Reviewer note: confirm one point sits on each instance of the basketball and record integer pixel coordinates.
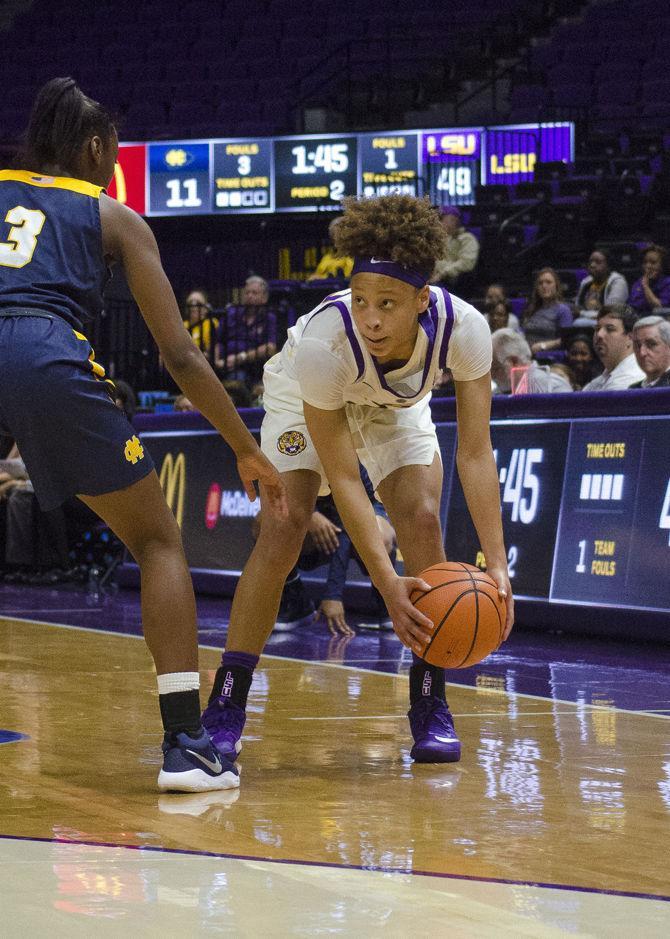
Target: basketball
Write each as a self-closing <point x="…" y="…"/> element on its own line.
<point x="466" y="611"/>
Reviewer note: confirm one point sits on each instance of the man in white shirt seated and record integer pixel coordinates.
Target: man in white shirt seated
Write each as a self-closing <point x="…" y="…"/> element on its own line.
<point x="651" y="345"/>
<point x="613" y="344"/>
<point x="513" y="369"/>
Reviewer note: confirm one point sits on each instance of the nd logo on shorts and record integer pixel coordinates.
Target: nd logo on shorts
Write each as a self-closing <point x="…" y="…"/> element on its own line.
<point x="134" y="450"/>
<point x="291" y="442"/>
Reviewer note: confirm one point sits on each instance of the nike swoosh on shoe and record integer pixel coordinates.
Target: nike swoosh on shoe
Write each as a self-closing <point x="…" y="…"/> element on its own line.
<point x="215" y="766"/>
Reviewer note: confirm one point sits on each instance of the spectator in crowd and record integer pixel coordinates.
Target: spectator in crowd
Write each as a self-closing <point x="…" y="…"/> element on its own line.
<point x="35" y="543"/>
<point x="248" y="334"/>
<point x="651" y="345"/>
<point x="444" y="386"/>
<point x="331" y="266"/>
<point x="580" y="357"/>
<point x="462" y="251"/>
<point x="257" y="390"/>
<point x="513" y="368"/>
<point x="499" y="316"/>
<point x="199" y="321"/>
<point x="563" y="370"/>
<point x="494" y="296"/>
<point x="182" y="403"/>
<point x="601" y="286"/>
<point x="124" y="398"/>
<point x="613" y="345"/>
<point x="652" y="290"/>
<point x="238" y="392"/>
<point x="546" y="313"/>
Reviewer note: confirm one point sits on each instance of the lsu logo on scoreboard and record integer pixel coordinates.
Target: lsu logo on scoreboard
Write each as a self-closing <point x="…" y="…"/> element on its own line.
<point x="172" y="478"/>
<point x="458" y="144"/>
<point x="513" y="163"/>
<point x="178" y="157"/>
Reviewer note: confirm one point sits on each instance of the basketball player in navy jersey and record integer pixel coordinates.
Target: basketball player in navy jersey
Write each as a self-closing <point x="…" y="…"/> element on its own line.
<point x="59" y="231"/>
<point x="353" y="382"/>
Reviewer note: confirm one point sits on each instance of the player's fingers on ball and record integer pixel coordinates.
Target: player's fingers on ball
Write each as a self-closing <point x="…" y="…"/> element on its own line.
<point x="425" y="624"/>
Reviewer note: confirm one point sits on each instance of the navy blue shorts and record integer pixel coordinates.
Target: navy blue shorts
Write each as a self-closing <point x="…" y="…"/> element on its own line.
<point x="53" y="401"/>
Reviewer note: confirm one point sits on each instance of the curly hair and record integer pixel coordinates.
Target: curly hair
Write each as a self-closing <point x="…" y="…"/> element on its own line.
<point x="403" y="229"/>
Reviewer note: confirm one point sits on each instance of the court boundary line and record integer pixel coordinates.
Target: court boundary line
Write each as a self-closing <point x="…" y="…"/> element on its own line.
<point x="353" y="668"/>
<point x="192" y="852"/>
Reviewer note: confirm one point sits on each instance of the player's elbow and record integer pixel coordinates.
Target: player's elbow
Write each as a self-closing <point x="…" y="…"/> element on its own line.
<point x="183" y="358"/>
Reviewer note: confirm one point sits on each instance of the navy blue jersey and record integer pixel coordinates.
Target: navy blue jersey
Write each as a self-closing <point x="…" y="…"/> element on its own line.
<point x="51" y="255"/>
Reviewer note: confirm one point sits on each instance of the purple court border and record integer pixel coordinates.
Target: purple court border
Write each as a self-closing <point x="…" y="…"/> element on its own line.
<point x="348" y="867"/>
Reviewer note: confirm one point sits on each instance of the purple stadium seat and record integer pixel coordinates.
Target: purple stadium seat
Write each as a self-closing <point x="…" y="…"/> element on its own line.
<point x="257" y="48"/>
<point x="572" y="95"/>
<point x="185" y="114"/>
<point x="528" y="96"/>
<point x="616" y="93"/>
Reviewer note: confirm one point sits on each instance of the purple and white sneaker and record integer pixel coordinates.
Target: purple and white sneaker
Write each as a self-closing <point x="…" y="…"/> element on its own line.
<point x="432" y="726"/>
<point x="193" y="764"/>
<point x="224" y="721"/>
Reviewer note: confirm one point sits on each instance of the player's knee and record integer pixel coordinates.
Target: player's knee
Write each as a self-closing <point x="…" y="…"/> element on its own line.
<point x="160" y="539"/>
<point x="285" y="536"/>
<point x="422" y="517"/>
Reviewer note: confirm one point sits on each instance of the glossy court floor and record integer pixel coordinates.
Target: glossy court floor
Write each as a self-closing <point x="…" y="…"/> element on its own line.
<point x="556" y="821"/>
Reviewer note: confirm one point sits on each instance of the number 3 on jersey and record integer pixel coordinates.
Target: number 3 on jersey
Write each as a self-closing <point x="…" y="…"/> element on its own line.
<point x="26" y="224"/>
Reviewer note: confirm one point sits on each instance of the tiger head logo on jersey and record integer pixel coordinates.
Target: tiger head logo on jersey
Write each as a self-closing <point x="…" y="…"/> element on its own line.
<point x="291" y="442"/>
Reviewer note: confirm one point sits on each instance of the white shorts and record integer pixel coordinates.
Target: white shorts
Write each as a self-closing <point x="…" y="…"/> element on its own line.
<point x="385" y="438"/>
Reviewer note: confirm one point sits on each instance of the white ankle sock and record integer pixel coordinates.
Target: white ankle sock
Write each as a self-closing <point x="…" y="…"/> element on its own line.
<point x="178" y="681"/>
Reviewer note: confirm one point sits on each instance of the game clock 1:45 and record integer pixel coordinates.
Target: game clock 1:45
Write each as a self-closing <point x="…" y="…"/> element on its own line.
<point x="313" y="173"/>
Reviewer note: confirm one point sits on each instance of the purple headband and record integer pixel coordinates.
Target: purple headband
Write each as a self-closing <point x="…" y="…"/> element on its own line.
<point x="389" y="269"/>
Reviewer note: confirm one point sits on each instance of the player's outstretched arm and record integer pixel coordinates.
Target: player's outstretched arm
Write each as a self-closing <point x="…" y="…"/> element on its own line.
<point x="332" y="438"/>
<point x="127" y="238"/>
<point x="479" y="478"/>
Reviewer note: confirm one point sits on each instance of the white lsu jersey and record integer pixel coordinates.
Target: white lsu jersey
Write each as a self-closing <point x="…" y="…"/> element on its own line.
<point x="326" y="357"/>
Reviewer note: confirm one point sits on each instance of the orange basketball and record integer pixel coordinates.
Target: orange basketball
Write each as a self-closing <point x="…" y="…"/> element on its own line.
<point x="466" y="611"/>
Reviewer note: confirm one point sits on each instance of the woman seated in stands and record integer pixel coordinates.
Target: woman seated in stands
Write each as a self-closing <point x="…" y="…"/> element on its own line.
<point x="546" y="313"/>
<point x="601" y="286"/>
<point x="652" y="290"/>
<point x="581" y="358"/>
<point x="495" y="295"/>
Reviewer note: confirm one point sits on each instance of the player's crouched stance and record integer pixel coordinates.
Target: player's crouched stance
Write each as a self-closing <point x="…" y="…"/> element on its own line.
<point x="63" y="233"/>
<point x="353" y="382"/>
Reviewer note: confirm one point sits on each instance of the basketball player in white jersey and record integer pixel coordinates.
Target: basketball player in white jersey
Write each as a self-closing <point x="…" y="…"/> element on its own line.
<point x="353" y="382"/>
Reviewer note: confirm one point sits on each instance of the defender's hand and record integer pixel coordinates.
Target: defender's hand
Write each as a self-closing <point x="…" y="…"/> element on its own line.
<point x="324" y="533"/>
<point x="333" y="613"/>
<point x="256" y="466"/>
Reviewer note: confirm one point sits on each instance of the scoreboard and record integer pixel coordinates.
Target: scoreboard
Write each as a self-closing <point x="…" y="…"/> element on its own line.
<point x="585" y="509"/>
<point x="585" y="506"/>
<point x="310" y="172"/>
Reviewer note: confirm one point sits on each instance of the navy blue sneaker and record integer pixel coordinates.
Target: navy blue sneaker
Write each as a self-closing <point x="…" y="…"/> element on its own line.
<point x="224" y="722"/>
<point x="193" y="764"/>
<point x="432" y="727"/>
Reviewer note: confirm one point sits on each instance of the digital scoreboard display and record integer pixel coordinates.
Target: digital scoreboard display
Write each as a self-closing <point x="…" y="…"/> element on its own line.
<point x="530" y="460"/>
<point x="511" y="153"/>
<point x="389" y="164"/>
<point x="585" y="506"/>
<point x="451" y="164"/>
<point x="179" y="178"/>
<point x="613" y="542"/>
<point x="310" y="173"/>
<point x="129" y="184"/>
<point x="314" y="172"/>
<point x="242" y="176"/>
